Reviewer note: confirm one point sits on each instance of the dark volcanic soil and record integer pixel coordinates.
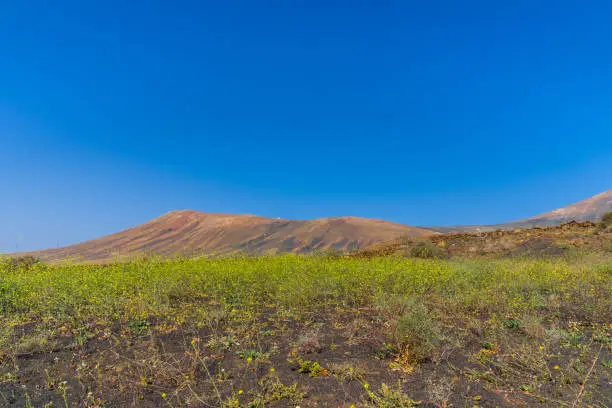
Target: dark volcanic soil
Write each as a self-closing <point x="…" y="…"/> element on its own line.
<point x="240" y="357"/>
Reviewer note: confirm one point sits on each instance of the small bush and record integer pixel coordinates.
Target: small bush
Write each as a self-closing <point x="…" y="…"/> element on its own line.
<point x="606" y="222"/>
<point x="389" y="397"/>
<point x="426" y="249"/>
<point x="412" y="327"/>
<point x="312" y="368"/>
<point x="271" y="390"/>
<point x="346" y="372"/>
<point x="25" y="262"/>
<point x="416" y="332"/>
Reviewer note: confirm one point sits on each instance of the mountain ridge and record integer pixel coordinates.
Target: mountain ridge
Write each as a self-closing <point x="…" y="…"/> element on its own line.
<point x="185" y="232"/>
<point x="181" y="232"/>
<point x="589" y="209"/>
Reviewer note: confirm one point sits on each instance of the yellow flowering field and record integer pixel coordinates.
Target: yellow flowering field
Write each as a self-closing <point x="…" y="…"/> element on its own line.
<point x="309" y="331"/>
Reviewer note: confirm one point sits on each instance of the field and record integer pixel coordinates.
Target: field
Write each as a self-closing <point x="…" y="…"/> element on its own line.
<point x="309" y="331"/>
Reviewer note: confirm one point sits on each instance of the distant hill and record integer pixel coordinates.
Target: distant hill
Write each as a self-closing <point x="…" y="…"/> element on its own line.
<point x="189" y="232"/>
<point x="537" y="241"/>
<point x="591" y="209"/>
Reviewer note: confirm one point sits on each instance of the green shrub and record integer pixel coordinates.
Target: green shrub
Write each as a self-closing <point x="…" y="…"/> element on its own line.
<point x="389" y="397"/>
<point x="271" y="390"/>
<point x="416" y="332"/>
<point x="25" y="262"/>
<point x="312" y="368"/>
<point x="426" y="249"/>
<point x="606" y="222"/>
<point x="412" y="326"/>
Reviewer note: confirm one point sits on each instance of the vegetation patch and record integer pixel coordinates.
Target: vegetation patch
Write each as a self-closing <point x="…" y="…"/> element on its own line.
<point x="308" y="330"/>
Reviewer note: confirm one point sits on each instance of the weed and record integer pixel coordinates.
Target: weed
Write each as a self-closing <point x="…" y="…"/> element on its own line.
<point x="532" y="325"/>
<point x="571" y="339"/>
<point x="271" y="389"/>
<point x="140" y="327"/>
<point x="389" y="397"/>
<point x="488" y="346"/>
<point x="312" y="368"/>
<point x="268" y="333"/>
<point x="231" y="402"/>
<point x="386" y="350"/>
<point x="412" y="327"/>
<point x="253" y="355"/>
<point x="441" y="391"/>
<point x="347" y="372"/>
<point x="222" y="343"/>
<point x="34" y="342"/>
<point x="511" y="324"/>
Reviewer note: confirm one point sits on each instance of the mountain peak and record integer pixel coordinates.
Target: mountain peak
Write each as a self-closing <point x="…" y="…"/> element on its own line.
<point x="590" y="209"/>
<point x="189" y="231"/>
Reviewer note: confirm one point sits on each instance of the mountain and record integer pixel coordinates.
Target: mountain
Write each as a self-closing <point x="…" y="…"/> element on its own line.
<point x="188" y="232"/>
<point x="591" y="209"/>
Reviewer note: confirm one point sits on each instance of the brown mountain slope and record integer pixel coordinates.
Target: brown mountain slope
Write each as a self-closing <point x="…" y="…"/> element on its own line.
<point x="535" y="241"/>
<point x="591" y="209"/>
<point x="187" y="232"/>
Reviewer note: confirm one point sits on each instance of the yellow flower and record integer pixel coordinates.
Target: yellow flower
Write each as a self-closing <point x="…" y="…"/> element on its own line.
<point x="272" y="369"/>
<point x="541" y="347"/>
<point x="164" y="395"/>
<point x="249" y="359"/>
<point x="556" y="367"/>
<point x="366" y="385"/>
<point x="240" y="392"/>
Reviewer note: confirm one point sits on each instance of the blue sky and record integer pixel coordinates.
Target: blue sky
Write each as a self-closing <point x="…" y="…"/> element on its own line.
<point x="425" y="113"/>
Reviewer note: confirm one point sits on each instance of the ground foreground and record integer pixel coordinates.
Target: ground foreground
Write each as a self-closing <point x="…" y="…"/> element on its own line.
<point x="310" y="332"/>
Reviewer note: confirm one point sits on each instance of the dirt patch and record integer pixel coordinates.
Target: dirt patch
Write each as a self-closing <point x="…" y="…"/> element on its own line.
<point x="337" y="359"/>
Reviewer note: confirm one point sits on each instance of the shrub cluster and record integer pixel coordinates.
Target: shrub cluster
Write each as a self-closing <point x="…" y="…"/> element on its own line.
<point x="426" y="250"/>
<point x="25" y="262"/>
<point x="606" y="222"/>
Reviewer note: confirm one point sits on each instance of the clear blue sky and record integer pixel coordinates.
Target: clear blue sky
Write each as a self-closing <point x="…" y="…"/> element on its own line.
<point x="421" y="112"/>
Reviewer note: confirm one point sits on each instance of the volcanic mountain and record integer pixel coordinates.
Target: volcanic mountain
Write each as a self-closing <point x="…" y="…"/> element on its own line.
<point x="591" y="209"/>
<point x="189" y="232"/>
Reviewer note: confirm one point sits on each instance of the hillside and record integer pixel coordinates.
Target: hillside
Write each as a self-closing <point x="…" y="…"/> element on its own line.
<point x="535" y="241"/>
<point x="188" y="232"/>
<point x="590" y="209"/>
